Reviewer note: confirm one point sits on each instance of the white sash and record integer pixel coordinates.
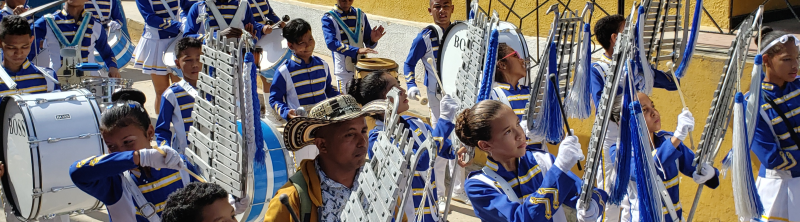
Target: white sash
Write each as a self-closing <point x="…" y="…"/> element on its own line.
<point x="103" y="19"/>
<point x="168" y="9"/>
<point x="512" y="196"/>
<point x="263" y="16"/>
<point x="236" y="22"/>
<point x="501" y="96"/>
<point x="147" y="209"/>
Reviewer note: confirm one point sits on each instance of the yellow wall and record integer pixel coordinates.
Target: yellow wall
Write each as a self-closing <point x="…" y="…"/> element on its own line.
<point x="741" y="7"/>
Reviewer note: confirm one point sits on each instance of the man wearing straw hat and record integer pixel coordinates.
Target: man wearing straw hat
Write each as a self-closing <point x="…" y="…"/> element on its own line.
<point x="320" y="189"/>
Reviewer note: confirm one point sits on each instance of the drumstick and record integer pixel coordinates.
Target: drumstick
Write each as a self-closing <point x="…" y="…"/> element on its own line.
<point x="422" y="100"/>
<point x="285" y="201"/>
<point x="187" y="170"/>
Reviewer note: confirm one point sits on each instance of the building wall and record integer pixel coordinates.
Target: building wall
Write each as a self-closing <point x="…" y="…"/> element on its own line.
<point x="742" y="7"/>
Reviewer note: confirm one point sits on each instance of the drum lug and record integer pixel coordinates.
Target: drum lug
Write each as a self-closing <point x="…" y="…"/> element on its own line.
<point x="37" y="192"/>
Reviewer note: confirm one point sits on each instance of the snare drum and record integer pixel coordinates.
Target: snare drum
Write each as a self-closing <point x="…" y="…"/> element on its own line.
<point x="38" y="151"/>
<point x="122" y="47"/>
<point x="170" y="57"/>
<point x="274" y="51"/>
<point x="367" y="65"/>
<point x="103" y="87"/>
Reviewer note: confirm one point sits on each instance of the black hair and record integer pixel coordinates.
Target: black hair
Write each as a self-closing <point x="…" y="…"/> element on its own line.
<point x="474" y="124"/>
<point x="368" y="88"/>
<point x="14" y="25"/>
<point x="295" y="29"/>
<point x="768" y="34"/>
<point x="502" y="50"/>
<point x="126" y="110"/>
<point x="186" y="43"/>
<point x="605" y="27"/>
<point x="186" y="204"/>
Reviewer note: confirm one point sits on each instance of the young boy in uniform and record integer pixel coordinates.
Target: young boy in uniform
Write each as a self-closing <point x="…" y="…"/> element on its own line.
<point x="16" y="40"/>
<point x="177" y="101"/>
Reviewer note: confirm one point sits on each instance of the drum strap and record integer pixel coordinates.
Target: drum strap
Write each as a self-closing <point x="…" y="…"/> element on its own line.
<point x="69" y="51"/>
<point x="512" y="196"/>
<point x="236" y="22"/>
<point x="260" y="12"/>
<point x="301" y="186"/>
<point x="51" y="81"/>
<point x="501" y="96"/>
<point x="103" y="18"/>
<point x="147" y="209"/>
<point x="168" y="9"/>
<point x="355" y="37"/>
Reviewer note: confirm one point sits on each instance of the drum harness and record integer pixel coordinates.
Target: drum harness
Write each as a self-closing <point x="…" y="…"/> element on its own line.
<point x="355" y="38"/>
<point x="70" y="52"/>
<point x="105" y="20"/>
<point x="236" y="22"/>
<point x="146" y="208"/>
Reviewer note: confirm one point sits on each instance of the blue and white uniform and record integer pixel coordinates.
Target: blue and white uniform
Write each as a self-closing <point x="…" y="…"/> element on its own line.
<point x="517" y="98"/>
<point x="30" y="80"/>
<point x="162" y="25"/>
<point x="345" y="33"/>
<point x="420" y="132"/>
<point x="108" y="11"/>
<point x="262" y="12"/>
<point x="300" y="84"/>
<point x="602" y="69"/>
<point x="778" y="180"/>
<point x="94" y="38"/>
<point x="425" y="46"/>
<point x="541" y="188"/>
<point x="6" y="11"/>
<point x="231" y="14"/>
<point x="186" y="5"/>
<point x="176" y="107"/>
<point x="104" y="177"/>
<point x="670" y="162"/>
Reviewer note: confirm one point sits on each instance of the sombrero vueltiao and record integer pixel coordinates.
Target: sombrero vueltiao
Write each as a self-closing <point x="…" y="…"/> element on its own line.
<point x="299" y="132"/>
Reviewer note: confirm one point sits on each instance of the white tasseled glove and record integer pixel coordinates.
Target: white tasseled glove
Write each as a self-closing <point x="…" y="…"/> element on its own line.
<point x="589" y="215"/>
<point x="685" y="124"/>
<point x="569" y="153"/>
<point x="239" y="206"/>
<point x="448" y="107"/>
<point x="707" y="172"/>
<point x="152" y="158"/>
<point x="413" y="92"/>
<point x="114" y="25"/>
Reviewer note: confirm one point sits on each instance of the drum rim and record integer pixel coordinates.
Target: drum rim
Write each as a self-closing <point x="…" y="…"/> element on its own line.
<point x="441" y="48"/>
<point x="8" y="188"/>
<point x="280" y="61"/>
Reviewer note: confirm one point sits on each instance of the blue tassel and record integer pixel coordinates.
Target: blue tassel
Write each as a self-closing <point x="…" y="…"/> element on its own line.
<point x="649" y="199"/>
<point x="552" y="114"/>
<point x="260" y="155"/>
<point x="623" y="167"/>
<point x="579" y="104"/>
<point x="690" y="45"/>
<point x="485" y="87"/>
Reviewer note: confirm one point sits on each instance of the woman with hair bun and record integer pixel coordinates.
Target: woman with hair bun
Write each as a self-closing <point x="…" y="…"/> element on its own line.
<point x="519" y="184"/>
<point x="778" y="182"/>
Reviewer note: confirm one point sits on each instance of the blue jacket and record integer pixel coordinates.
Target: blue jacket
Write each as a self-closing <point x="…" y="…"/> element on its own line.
<point x="158" y="23"/>
<point x="30" y="80"/>
<point x="336" y="40"/>
<point x="94" y="39"/>
<point x="194" y="29"/>
<point x="777" y="151"/>
<point x="542" y="194"/>
<point x="176" y="110"/>
<point x="109" y="8"/>
<point x="425" y="45"/>
<point x="269" y="14"/>
<point x="599" y="74"/>
<point x="297" y="83"/>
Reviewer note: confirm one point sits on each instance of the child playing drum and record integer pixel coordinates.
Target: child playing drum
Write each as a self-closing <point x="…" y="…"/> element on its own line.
<point x="133" y="180"/>
<point x="162" y="26"/>
<point x="225" y="17"/>
<point x="348" y="35"/>
<point x="15" y="40"/>
<point x="178" y="101"/>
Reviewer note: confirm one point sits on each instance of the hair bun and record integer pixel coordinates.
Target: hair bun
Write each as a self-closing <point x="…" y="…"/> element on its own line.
<point x="129" y="95"/>
<point x="764" y="31"/>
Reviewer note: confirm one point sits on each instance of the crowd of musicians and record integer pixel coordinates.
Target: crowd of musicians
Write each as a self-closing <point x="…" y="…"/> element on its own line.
<point x="522" y="180"/>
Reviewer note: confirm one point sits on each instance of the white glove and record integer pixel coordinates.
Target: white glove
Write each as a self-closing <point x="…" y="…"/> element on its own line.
<point x="448" y="107"/>
<point x="569" y="153"/>
<point x="239" y="206"/>
<point x="685" y="124"/>
<point x="588" y="215"/>
<point x="413" y="92"/>
<point x="707" y="172"/>
<point x="152" y="158"/>
<point x="114" y="25"/>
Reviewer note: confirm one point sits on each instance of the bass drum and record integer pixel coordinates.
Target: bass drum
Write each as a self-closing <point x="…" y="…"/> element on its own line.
<point x="39" y="151"/>
<point x="456" y="41"/>
<point x="274" y="51"/>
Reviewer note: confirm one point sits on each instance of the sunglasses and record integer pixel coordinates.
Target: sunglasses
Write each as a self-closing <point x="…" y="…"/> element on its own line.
<point x="515" y="53"/>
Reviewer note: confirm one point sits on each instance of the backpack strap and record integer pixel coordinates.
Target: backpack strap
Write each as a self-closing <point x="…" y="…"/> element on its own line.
<point x="300" y="184"/>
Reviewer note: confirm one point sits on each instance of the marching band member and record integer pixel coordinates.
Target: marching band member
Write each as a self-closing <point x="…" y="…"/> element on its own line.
<point x="231" y="22"/>
<point x="177" y="102"/>
<point x="263" y="14"/>
<point x="161" y="28"/>
<point x="375" y="86"/>
<point x="426" y="45"/>
<point x="199" y="202"/>
<point x="338" y="129"/>
<point x="106" y="13"/>
<point x="519" y="184"/>
<point x="773" y="143"/>
<point x="348" y="35"/>
<point x="672" y="158"/>
<point x="15" y="40"/>
<point x="59" y="31"/>
<point x="185" y="5"/>
<point x="15" y="7"/>
<point x="133" y="180"/>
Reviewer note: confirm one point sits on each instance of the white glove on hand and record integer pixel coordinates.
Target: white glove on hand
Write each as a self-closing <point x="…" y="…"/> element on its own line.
<point x="413" y="92"/>
<point x="448" y="107"/>
<point x="114" y="25"/>
<point x="152" y="158"/>
<point x="239" y="206"/>
<point x="569" y="153"/>
<point x="588" y="215"/>
<point x="707" y="172"/>
<point x="685" y="124"/>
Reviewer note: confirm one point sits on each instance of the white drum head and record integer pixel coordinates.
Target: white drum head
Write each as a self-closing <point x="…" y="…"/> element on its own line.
<point x="275" y="49"/>
<point x="169" y="54"/>
<point x="17" y="154"/>
<point x="452" y="49"/>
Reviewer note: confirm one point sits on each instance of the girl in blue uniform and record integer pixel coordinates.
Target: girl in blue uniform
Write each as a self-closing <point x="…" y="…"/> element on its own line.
<point x="162" y="26"/>
<point x="133" y="180"/>
<point x="519" y="184"/>
<point x="375" y="86"/>
<point x="775" y="146"/>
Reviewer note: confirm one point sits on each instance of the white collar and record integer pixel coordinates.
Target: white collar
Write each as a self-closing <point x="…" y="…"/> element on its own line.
<point x="7" y="10"/>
